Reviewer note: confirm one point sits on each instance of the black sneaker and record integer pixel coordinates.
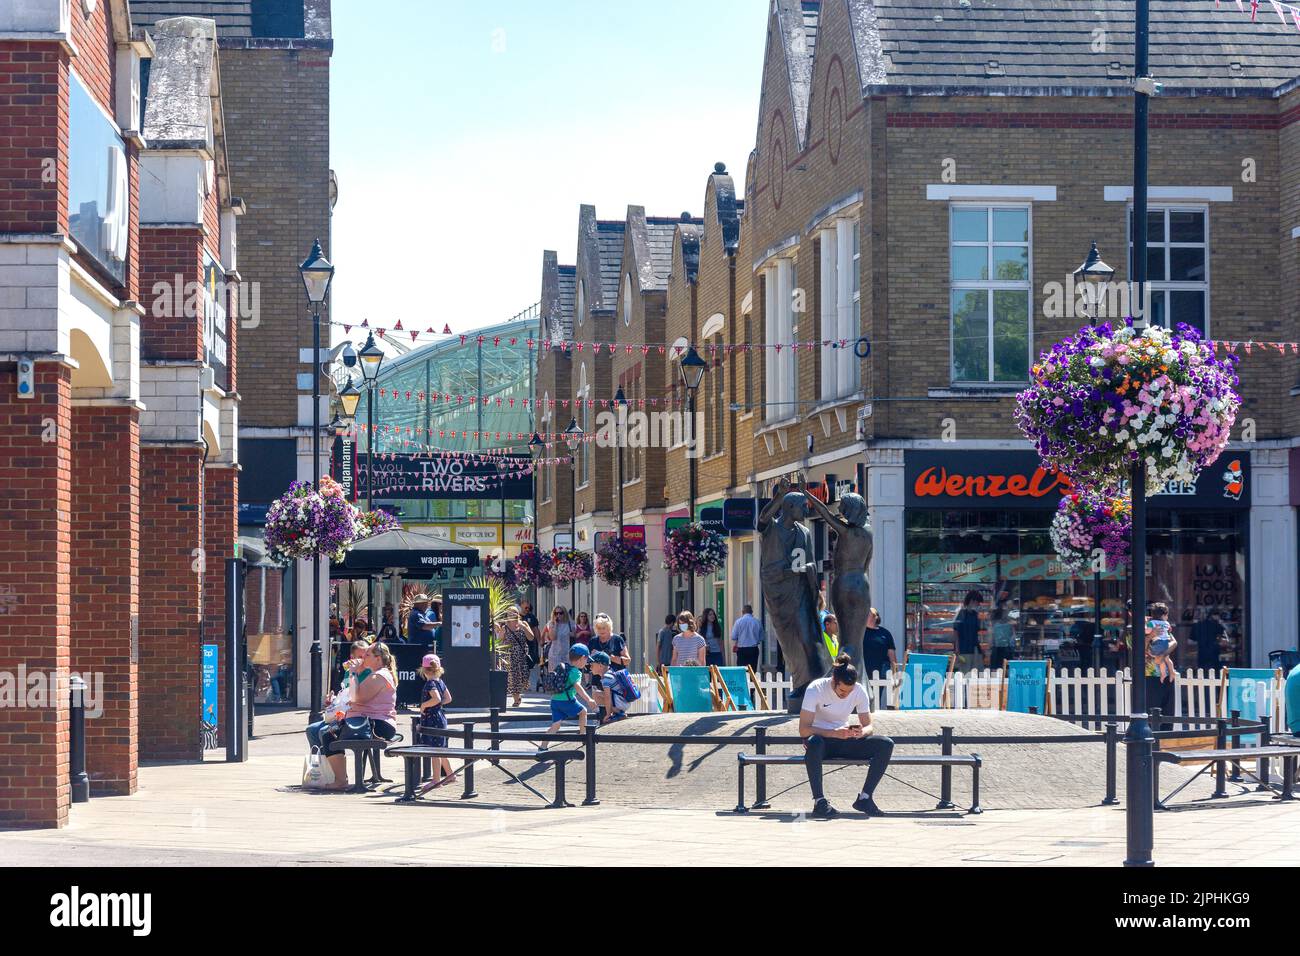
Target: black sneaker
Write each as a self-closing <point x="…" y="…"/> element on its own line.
<point x="868" y="806"/>
<point x="822" y="810"/>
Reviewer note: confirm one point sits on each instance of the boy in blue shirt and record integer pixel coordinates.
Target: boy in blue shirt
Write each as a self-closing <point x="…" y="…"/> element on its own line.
<point x="573" y="701"/>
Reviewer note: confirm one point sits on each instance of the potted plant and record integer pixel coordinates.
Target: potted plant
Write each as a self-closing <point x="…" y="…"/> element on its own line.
<point x="1090" y="521"/>
<point x="622" y="563"/>
<point x="694" y="549"/>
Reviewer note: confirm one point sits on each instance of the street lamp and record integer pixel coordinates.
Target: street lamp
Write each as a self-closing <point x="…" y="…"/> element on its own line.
<point x="1095" y="274"/>
<point x="372" y="357"/>
<point x="537" y="448"/>
<point x="1139" y="809"/>
<point x="692" y="370"/>
<point x="317" y="273"/>
<point x="572" y="436"/>
<point x="620" y="409"/>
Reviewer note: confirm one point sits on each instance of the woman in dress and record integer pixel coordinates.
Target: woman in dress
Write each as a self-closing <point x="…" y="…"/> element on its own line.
<point x="582" y="628"/>
<point x="558" y="636"/>
<point x="515" y="637"/>
<point x="433" y="698"/>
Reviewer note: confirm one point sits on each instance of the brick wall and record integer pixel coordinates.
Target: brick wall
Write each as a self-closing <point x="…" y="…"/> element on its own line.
<point x="96" y="52"/>
<point x="33" y="132"/>
<point x="277" y="121"/>
<point x="105" y="584"/>
<point x="171" y="601"/>
<point x="172" y="327"/>
<point x="36" y="473"/>
<point x="220" y="533"/>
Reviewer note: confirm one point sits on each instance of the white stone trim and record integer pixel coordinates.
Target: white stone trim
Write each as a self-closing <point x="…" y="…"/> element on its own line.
<point x="1172" y="193"/>
<point x="944" y="192"/>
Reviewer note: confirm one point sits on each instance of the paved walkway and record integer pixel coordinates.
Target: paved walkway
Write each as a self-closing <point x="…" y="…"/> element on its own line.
<point x="251" y="814"/>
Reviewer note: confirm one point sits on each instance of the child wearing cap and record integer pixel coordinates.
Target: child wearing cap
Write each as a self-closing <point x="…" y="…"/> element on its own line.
<point x="573" y="701"/>
<point x="433" y="698"/>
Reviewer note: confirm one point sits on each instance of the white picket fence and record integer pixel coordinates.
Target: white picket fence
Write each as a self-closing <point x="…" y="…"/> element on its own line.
<point x="1198" y="693"/>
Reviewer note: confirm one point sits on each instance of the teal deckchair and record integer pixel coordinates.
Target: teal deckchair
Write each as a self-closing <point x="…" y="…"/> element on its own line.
<point x="690" y="690"/>
<point x="735" y="682"/>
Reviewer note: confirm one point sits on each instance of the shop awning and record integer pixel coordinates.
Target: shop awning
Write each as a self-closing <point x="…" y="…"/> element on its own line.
<point x="410" y="552"/>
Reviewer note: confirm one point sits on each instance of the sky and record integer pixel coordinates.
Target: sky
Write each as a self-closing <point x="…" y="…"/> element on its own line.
<point x="466" y="135"/>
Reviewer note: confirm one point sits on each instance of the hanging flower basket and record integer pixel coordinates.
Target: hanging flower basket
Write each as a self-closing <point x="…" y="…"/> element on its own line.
<point x="533" y="568"/>
<point x="568" y="566"/>
<point x="1088" y="521"/>
<point x="304" y="523"/>
<point x="1108" y="398"/>
<point x="693" y="549"/>
<point x="371" y="523"/>
<point x="622" y="563"/>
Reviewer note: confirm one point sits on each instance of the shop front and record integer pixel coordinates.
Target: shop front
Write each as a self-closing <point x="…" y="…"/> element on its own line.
<point x="977" y="524"/>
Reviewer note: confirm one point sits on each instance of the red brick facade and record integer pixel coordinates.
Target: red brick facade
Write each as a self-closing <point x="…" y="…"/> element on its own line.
<point x="35" y="591"/>
<point x="105" y="584"/>
<point x="171" y="610"/>
<point x="33" y="137"/>
<point x="173" y="326"/>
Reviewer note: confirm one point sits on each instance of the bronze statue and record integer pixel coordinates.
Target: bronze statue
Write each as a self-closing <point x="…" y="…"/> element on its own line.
<point x="788" y="571"/>
<point x="850" y="591"/>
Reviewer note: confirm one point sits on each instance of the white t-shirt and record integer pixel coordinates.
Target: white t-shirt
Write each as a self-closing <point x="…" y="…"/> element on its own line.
<point x="829" y="710"/>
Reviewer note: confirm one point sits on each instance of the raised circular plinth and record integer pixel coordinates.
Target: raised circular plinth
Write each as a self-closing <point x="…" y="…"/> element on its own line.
<point x="703" y="776"/>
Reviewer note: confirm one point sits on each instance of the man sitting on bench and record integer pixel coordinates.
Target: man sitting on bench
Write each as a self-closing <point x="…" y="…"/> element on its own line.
<point x="827" y="734"/>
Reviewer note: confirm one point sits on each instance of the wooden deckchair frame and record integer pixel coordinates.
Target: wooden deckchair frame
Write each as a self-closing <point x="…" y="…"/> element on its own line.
<point x="947" y="678"/>
<point x="728" y="700"/>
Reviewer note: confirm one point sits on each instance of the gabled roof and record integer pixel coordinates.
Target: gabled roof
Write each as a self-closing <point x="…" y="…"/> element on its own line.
<point x="660" y="231"/>
<point x="568" y="284"/>
<point x="558" y="286"/>
<point x="600" y="260"/>
<point x="182" y="103"/>
<point x="1049" y="46"/>
<point x="796" y="23"/>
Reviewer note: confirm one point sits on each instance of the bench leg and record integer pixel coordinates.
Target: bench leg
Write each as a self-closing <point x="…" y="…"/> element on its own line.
<point x="1155" y="785"/>
<point x="975" y="786"/>
<point x="559" y="803"/>
<point x="412" y="768"/>
<point x="1262" y="783"/>
<point x="359" y="763"/>
<point x="426" y="768"/>
<point x="467" y="771"/>
<point x="376" y="776"/>
<point x="740" y="794"/>
<point x="1288" y="778"/>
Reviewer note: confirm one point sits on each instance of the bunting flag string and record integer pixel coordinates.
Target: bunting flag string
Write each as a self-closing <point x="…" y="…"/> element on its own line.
<point x="514" y="402"/>
<point x="1281" y="9"/>
<point x="1249" y="346"/>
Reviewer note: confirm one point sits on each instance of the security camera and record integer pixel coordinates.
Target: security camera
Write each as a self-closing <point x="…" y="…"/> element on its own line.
<point x="349" y="355"/>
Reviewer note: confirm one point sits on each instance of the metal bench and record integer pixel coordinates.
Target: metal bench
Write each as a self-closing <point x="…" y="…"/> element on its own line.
<point x="361" y="748"/>
<point x="1220" y="758"/>
<point x="414" y="754"/>
<point x="945" y="761"/>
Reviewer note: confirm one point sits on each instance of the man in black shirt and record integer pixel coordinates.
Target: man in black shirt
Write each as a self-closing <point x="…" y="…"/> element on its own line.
<point x="878" y="653"/>
<point x="1206" y="633"/>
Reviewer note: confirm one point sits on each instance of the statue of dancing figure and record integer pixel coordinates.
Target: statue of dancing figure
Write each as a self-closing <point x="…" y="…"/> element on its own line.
<point x="850" y="592"/>
<point x="788" y="572"/>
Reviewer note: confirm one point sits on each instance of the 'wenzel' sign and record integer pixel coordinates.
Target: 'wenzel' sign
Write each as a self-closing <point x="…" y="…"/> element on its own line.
<point x="1014" y="480"/>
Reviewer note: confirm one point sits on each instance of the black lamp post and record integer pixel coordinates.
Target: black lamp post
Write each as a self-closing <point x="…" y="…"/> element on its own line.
<point x="317" y="273"/>
<point x="620" y="409"/>
<point x="572" y="437"/>
<point x="372" y="357"/>
<point x="1139" y="809"/>
<point x="692" y="373"/>
<point x="1096" y="275"/>
<point x="537" y="448"/>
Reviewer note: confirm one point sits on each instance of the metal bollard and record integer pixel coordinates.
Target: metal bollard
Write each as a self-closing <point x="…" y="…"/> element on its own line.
<point x="589" y="744"/>
<point x="760" y="771"/>
<point x="77" y="742"/>
<point x="469" y="793"/>
<point x="945" y="772"/>
<point x="1112" y="746"/>
<point x="1220" y="768"/>
<point x="494" y="725"/>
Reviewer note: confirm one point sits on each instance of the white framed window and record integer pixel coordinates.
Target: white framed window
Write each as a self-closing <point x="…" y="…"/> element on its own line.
<point x="991" y="298"/>
<point x="1178" y="264"/>
<point x="840" y="260"/>
<point x="779" y="386"/>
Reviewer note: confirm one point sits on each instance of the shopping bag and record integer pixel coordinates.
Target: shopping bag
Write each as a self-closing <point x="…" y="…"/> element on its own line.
<point x="317" y="771"/>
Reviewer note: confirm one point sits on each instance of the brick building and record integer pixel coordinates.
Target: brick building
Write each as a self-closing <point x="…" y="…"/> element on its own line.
<point x="924" y="182"/>
<point x="276" y="59"/>
<point x="118" y="448"/>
